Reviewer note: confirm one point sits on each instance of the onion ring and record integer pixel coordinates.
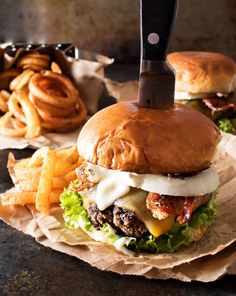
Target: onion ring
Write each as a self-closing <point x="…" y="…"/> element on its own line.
<point x="5" y="95"/>
<point x="21" y="80"/>
<point x="51" y="110"/>
<point x="45" y="100"/>
<point x="31" y="116"/>
<point x="3" y="104"/>
<point x="16" y="123"/>
<point x="15" y="108"/>
<point x="65" y="124"/>
<point x="36" y="68"/>
<point x="7" y="131"/>
<point x="7" y="76"/>
<point x="34" y="61"/>
<point x="53" y="88"/>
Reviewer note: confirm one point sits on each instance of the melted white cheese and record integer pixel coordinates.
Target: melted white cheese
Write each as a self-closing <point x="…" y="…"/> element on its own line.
<point x="181" y="95"/>
<point x="113" y="184"/>
<point x="108" y="192"/>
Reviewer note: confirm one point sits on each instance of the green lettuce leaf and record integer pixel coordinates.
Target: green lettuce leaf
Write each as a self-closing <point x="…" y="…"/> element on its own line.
<point x="75" y="216"/>
<point x="221" y="119"/>
<point x="180" y="234"/>
<point x="227" y="125"/>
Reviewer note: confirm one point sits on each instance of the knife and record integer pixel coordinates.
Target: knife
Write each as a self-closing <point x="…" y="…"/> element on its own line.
<point x="157" y="78"/>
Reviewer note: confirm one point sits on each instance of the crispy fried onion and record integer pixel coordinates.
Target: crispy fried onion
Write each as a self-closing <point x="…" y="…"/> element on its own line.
<point x="82" y="178"/>
<point x="6" y="130"/>
<point x="34" y="61"/>
<point x="54" y="89"/>
<point x="21" y="80"/>
<point x="57" y="100"/>
<point x="65" y="124"/>
<point x="21" y="109"/>
<point x="51" y="110"/>
<point x="3" y="103"/>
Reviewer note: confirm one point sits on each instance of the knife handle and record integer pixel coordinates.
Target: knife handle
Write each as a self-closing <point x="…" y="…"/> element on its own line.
<point x="157" y="20"/>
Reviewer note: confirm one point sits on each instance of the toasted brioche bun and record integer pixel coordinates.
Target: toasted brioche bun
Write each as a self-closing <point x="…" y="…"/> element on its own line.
<point x="128" y="138"/>
<point x="203" y="72"/>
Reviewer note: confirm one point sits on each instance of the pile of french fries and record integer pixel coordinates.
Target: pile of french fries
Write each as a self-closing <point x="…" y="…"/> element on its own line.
<point x="41" y="178"/>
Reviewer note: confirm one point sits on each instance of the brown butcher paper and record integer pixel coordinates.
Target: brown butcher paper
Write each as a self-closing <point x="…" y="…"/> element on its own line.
<point x="206" y="260"/>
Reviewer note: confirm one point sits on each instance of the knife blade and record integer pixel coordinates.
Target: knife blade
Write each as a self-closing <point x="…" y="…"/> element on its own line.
<point x="157" y="78"/>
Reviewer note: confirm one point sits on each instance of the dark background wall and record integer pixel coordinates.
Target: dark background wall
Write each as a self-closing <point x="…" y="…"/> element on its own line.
<point x="112" y="26"/>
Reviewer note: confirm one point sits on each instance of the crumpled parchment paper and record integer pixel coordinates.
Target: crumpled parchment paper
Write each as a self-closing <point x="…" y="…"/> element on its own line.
<point x="206" y="260"/>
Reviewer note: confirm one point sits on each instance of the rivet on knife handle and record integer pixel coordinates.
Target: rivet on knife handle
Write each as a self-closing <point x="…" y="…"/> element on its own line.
<point x="157" y="78"/>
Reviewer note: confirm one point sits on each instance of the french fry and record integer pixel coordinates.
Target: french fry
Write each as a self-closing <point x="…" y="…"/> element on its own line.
<point x="32" y="184"/>
<point x="37" y="180"/>
<point x="59" y="183"/>
<point x="65" y="169"/>
<point x="69" y="154"/>
<point x="21" y="164"/>
<point x="66" y="160"/>
<point x="70" y="176"/>
<point x="28" y="177"/>
<point x="36" y="159"/>
<point x="46" y="181"/>
<point x="27" y="174"/>
<point x="24" y="198"/>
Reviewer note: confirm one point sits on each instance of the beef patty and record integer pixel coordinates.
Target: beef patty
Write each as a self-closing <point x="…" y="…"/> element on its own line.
<point x="123" y="220"/>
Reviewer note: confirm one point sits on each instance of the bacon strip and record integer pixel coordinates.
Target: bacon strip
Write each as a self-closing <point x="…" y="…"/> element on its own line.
<point x="163" y="206"/>
<point x="218" y="105"/>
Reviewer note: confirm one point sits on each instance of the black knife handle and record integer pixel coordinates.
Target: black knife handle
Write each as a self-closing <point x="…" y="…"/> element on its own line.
<point x="157" y="20"/>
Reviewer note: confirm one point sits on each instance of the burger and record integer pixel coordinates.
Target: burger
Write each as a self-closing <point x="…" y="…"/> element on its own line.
<point x="207" y="82"/>
<point x="146" y="183"/>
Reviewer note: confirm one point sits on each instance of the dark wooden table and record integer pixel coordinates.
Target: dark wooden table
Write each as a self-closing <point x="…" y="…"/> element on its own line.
<point x="27" y="268"/>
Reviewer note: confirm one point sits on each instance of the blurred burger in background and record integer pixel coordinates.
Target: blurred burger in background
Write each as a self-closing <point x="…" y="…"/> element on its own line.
<point x="147" y="183"/>
<point x="207" y="82"/>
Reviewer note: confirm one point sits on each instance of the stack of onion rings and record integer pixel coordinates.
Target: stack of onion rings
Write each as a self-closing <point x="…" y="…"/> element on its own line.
<point x="21" y="109"/>
<point x="57" y="101"/>
<point x="34" y="61"/>
<point x="36" y="100"/>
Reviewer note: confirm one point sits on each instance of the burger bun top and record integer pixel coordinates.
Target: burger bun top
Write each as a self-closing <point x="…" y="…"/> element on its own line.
<point x="141" y="140"/>
<point x="203" y="72"/>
